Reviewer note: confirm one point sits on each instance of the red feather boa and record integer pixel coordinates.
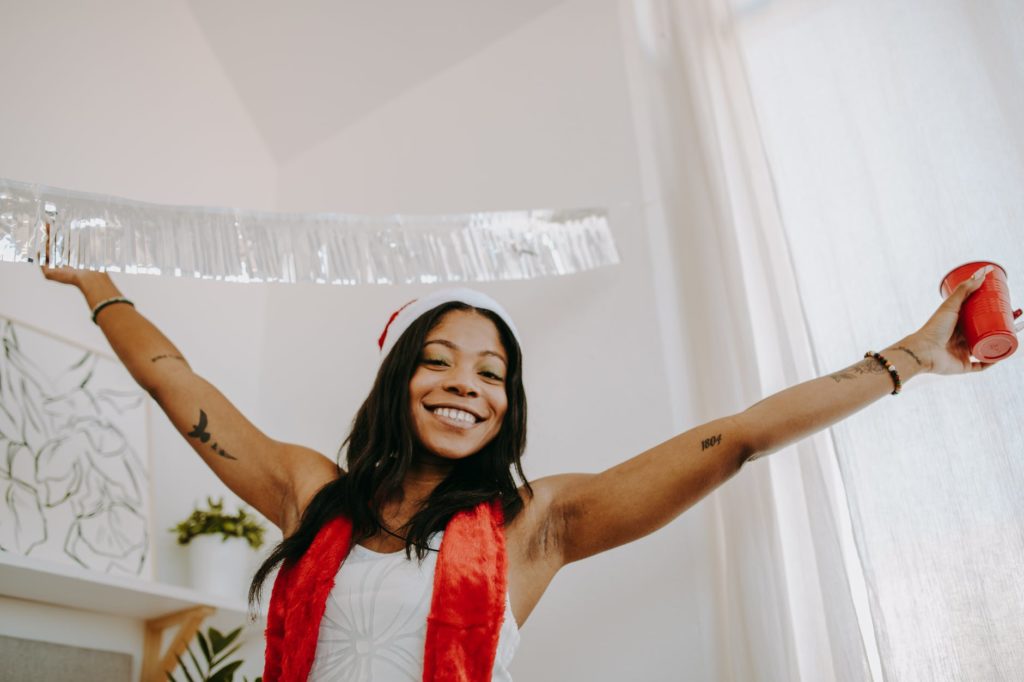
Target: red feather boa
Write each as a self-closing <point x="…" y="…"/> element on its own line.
<point x="466" y="611"/>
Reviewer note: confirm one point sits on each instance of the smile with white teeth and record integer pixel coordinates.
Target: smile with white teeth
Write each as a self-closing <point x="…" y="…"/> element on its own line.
<point x="456" y="417"/>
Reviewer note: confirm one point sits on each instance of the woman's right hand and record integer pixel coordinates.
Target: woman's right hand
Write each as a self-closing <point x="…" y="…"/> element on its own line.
<point x="64" y="274"/>
<point x="87" y="281"/>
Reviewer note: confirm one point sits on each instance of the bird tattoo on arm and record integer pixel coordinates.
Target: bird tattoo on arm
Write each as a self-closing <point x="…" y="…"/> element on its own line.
<point x="199" y="431"/>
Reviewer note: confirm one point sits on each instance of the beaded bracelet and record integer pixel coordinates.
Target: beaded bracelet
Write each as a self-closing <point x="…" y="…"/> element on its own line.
<point x="110" y="301"/>
<point x="892" y="370"/>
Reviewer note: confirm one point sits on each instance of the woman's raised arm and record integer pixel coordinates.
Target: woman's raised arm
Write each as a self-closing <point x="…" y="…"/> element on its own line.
<point x="587" y="514"/>
<point x="275" y="478"/>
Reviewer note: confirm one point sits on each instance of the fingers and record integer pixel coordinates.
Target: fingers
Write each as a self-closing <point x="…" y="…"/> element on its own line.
<point x="976" y="280"/>
<point x="980" y="366"/>
<point x="61" y="275"/>
<point x="44" y="257"/>
<point x="968" y="287"/>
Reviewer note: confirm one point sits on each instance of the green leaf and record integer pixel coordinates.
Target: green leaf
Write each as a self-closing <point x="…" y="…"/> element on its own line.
<point x="227" y="673"/>
<point x="225" y="655"/>
<point x="191" y="655"/>
<point x="204" y="646"/>
<point x="216" y="641"/>
<point x="184" y="669"/>
<point x="232" y="636"/>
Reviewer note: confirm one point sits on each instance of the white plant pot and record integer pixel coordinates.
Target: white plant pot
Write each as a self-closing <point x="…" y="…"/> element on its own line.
<point x="220" y="567"/>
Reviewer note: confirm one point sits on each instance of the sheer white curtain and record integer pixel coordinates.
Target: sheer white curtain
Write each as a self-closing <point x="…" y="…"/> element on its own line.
<point x="895" y="132"/>
<point x="785" y="605"/>
<point x="814" y="167"/>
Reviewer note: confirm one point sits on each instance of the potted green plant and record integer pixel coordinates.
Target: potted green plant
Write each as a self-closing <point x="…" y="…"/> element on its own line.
<point x="220" y="548"/>
<point x="214" y="665"/>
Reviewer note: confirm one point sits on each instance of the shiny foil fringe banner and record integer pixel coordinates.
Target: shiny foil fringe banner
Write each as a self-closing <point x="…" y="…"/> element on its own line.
<point x="95" y="232"/>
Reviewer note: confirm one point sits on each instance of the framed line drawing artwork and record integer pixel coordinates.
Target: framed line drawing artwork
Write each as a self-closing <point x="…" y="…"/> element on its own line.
<point x="74" y="465"/>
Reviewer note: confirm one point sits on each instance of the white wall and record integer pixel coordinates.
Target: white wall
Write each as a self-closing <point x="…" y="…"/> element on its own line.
<point x="126" y="98"/>
<point x="539" y="119"/>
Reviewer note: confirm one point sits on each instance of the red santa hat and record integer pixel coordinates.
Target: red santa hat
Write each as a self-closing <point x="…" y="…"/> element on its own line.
<point x="410" y="312"/>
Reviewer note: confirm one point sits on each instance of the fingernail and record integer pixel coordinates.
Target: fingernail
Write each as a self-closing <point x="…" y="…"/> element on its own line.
<point x="982" y="272"/>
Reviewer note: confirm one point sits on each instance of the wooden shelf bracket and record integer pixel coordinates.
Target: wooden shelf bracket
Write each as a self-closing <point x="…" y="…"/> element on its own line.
<point x="156" y="666"/>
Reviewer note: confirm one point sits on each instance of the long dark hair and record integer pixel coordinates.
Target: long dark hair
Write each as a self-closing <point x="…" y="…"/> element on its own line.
<point x="382" y="446"/>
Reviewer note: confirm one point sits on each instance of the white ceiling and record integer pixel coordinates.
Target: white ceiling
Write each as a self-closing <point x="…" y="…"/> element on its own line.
<point x="305" y="70"/>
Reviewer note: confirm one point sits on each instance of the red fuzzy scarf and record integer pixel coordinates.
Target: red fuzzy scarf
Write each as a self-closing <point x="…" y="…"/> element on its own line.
<point x="466" y="611"/>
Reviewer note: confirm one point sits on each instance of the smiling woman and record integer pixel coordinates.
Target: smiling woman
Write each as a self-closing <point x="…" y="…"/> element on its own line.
<point x="432" y="460"/>
<point x="454" y="107"/>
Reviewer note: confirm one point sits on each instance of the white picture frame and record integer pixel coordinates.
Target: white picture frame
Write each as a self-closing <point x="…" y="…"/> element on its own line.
<point x="74" y="456"/>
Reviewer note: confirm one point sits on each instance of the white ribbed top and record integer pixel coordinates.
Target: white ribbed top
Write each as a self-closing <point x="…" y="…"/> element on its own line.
<point x="375" y="625"/>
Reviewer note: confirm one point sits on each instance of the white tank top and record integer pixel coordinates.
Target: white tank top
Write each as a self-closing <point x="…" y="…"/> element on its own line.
<point x="374" y="628"/>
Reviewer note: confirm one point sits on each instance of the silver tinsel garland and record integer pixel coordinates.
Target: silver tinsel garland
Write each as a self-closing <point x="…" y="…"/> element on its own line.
<point x="97" y="232"/>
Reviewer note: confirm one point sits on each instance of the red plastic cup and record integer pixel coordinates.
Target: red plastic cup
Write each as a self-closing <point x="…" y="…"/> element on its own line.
<point x="986" y="318"/>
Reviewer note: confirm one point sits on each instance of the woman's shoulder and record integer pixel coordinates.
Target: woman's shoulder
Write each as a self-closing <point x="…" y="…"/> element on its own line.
<point x="305" y="485"/>
<point x="544" y="494"/>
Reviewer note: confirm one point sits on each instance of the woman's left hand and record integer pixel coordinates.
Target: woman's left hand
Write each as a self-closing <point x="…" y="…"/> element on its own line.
<point x="940" y="342"/>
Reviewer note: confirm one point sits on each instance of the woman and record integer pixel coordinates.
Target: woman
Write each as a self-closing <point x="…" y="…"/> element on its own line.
<point x="430" y="459"/>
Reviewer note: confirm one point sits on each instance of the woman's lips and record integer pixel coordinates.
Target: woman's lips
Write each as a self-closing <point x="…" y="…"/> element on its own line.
<point x="454" y="417"/>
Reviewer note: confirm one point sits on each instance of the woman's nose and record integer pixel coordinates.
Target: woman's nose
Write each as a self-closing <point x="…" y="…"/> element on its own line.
<point x="460" y="382"/>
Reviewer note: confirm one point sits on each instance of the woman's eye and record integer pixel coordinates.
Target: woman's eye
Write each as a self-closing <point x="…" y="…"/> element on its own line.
<point x="437" y="362"/>
<point x="491" y="375"/>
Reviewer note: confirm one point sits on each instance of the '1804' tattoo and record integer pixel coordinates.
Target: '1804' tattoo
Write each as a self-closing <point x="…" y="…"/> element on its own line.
<point x="710" y="442"/>
<point x="200" y="433"/>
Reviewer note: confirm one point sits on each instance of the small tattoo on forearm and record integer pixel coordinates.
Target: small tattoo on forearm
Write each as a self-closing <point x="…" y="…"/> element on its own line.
<point x="199" y="430"/>
<point x="220" y="451"/>
<point x="200" y="433"/>
<point x="911" y="354"/>
<point x="710" y="442"/>
<point x="167" y="357"/>
<point x="865" y="366"/>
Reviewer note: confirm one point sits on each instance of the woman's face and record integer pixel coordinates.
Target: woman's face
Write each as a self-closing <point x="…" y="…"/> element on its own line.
<point x="458" y="389"/>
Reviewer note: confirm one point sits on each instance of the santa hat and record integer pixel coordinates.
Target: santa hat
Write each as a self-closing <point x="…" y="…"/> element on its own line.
<point x="411" y="311"/>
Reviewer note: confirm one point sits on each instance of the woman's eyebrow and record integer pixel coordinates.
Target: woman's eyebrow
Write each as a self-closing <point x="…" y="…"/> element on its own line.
<point x="449" y="344"/>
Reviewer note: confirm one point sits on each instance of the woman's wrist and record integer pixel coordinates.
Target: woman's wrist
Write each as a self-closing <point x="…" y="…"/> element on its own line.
<point x="909" y="356"/>
<point x="96" y="287"/>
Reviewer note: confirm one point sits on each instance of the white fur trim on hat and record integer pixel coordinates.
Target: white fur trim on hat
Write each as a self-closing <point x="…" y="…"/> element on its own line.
<point x="411" y="311"/>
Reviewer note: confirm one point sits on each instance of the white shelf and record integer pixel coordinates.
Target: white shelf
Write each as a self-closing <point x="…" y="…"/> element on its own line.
<point x="69" y="586"/>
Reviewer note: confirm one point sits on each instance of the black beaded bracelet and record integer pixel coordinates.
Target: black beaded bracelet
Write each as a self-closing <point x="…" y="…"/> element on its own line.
<point x="110" y="301"/>
<point x="890" y="367"/>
